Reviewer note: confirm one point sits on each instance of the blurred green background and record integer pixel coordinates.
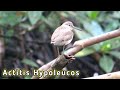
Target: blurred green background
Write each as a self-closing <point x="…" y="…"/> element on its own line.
<point x="25" y="38"/>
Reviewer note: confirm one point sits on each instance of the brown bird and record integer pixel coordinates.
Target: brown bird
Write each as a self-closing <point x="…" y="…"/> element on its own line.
<point x="63" y="35"/>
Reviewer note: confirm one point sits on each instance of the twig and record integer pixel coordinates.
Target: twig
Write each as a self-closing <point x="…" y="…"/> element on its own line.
<point x="79" y="45"/>
<point x="113" y="75"/>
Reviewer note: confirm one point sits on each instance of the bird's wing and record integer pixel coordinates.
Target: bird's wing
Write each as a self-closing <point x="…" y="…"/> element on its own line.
<point x="68" y="36"/>
<point x="57" y="33"/>
<point x="62" y="34"/>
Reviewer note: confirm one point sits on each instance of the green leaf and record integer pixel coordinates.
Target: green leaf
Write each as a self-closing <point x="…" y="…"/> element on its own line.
<point x="106" y="63"/>
<point x="85" y="52"/>
<point x="94" y="28"/>
<point x="116" y="14"/>
<point x="112" y="25"/>
<point x="29" y="62"/>
<point x="106" y="47"/>
<point x="34" y="16"/>
<point x="82" y="34"/>
<point x="10" y="18"/>
<point x="53" y="20"/>
<point x="115" y="54"/>
<point x="9" y="33"/>
<point x="92" y="14"/>
<point x="42" y="27"/>
<point x="116" y="43"/>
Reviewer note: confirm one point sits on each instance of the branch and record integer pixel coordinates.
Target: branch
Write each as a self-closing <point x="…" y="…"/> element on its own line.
<point x="114" y="75"/>
<point x="78" y="46"/>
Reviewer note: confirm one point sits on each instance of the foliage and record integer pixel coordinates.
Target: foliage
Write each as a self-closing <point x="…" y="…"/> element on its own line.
<point x="29" y="62"/>
<point x="106" y="63"/>
<point x="34" y="16"/>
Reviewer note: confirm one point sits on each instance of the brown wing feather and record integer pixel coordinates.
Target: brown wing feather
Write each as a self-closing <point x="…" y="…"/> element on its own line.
<point x="55" y="34"/>
<point x="58" y="32"/>
<point x="60" y="35"/>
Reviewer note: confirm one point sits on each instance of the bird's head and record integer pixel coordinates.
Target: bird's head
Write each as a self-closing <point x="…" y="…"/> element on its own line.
<point x="70" y="24"/>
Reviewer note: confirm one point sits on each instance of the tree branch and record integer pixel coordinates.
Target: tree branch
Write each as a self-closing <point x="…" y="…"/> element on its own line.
<point x="113" y="75"/>
<point x="77" y="46"/>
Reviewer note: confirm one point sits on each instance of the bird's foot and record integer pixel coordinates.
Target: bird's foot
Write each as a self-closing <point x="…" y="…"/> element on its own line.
<point x="70" y="57"/>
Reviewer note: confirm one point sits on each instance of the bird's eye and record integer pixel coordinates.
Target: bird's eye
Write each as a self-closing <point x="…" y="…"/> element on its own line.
<point x="69" y="24"/>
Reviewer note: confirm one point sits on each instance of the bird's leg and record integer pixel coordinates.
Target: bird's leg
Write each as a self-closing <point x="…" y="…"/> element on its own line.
<point x="58" y="51"/>
<point x="63" y="49"/>
<point x="70" y="57"/>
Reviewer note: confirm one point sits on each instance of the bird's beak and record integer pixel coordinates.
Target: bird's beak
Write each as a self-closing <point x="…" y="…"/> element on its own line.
<point x="76" y="28"/>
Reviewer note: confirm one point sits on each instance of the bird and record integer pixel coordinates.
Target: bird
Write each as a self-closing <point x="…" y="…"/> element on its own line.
<point x="63" y="35"/>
